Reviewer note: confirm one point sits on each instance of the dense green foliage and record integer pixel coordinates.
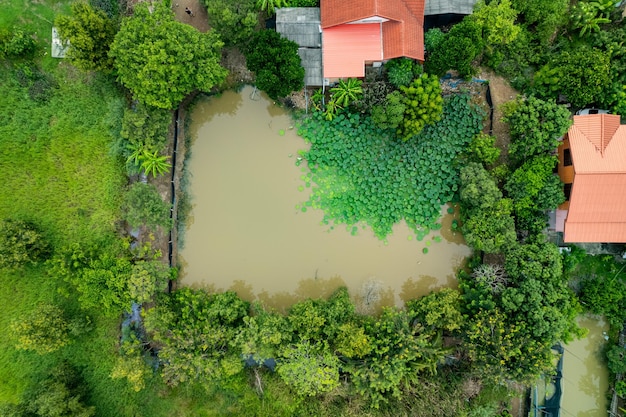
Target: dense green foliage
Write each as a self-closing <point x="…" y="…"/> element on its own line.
<point x="390" y="113"/>
<point x="20" y="243"/>
<point x="276" y="63"/>
<point x="270" y="6"/>
<point x="364" y="174"/>
<point x="535" y="125"/>
<point x="233" y="20"/>
<point x="457" y="50"/>
<point x="401" y="71"/>
<point x="144" y="206"/>
<point x="146" y="127"/>
<point x="44" y="330"/>
<point x="488" y="225"/>
<point x="482" y="149"/>
<point x="511" y="328"/>
<point x="90" y="33"/>
<point x="423" y="105"/>
<point x="15" y="43"/>
<point x="161" y="60"/>
<point x="534" y="188"/>
<point x="582" y="75"/>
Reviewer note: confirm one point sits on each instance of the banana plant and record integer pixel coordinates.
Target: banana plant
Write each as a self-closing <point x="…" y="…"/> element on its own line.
<point x="347" y="92"/>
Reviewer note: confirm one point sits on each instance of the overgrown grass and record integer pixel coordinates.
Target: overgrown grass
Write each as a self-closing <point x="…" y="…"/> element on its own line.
<point x="35" y="17"/>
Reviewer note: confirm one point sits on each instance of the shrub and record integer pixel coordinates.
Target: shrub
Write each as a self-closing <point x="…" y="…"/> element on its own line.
<point x="389" y="114"/>
<point x="21" y="243"/>
<point x="147" y="126"/>
<point x="401" y="71"/>
<point x="44" y="330"/>
<point x="144" y="206"/>
<point x="482" y="149"/>
<point x="16" y="43"/>
<point x="423" y="105"/>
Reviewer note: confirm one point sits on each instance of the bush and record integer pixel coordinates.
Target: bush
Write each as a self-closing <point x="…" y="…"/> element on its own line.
<point x="457" y="51"/>
<point x="389" y="114"/>
<point x="423" y="105"/>
<point x="401" y="71"/>
<point x="44" y="330"/>
<point x="147" y="126"/>
<point x="21" y="243"/>
<point x="482" y="149"/>
<point x="16" y="43"/>
<point x="144" y="206"/>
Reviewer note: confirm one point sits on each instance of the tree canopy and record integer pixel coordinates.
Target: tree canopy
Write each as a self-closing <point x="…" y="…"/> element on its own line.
<point x="161" y="60"/>
<point x="90" y="33"/>
<point x="276" y="63"/>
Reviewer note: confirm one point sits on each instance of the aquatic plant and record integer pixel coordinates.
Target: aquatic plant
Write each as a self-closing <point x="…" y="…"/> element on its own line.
<point x="360" y="173"/>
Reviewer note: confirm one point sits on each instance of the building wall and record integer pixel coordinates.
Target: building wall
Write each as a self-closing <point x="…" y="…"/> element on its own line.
<point x="566" y="172"/>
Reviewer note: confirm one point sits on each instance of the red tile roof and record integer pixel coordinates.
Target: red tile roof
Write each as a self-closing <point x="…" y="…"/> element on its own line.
<point x="402" y="31"/>
<point x="597" y="209"/>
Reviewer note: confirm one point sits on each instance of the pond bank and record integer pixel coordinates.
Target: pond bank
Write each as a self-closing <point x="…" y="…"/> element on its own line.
<point x="247" y="234"/>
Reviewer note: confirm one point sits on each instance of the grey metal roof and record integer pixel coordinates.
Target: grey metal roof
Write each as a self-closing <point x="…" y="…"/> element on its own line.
<point x="449" y="6"/>
<point x="312" y="62"/>
<point x="302" y="25"/>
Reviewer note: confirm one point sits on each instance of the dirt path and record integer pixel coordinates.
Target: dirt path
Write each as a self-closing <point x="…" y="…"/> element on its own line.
<point x="198" y="19"/>
<point x="501" y="92"/>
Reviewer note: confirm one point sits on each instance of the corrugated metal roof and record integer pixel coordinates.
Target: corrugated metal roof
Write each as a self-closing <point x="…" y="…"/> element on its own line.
<point x="347" y="47"/>
<point x="301" y="25"/>
<point x="434" y="7"/>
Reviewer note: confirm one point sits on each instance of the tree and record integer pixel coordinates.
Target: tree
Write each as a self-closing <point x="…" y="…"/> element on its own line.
<point x="90" y="33"/>
<point x="59" y="395"/>
<point x="461" y="46"/>
<point x="146" y="279"/>
<point x="263" y="334"/>
<point x="21" y="243"/>
<point x="401" y="71"/>
<point x="490" y="229"/>
<point x="482" y="149"/>
<point x="309" y="369"/>
<point x="423" y="105"/>
<point x="197" y="332"/>
<point x="535" y="125"/>
<point x="44" y="330"/>
<point x="161" y="60"/>
<point x="581" y="75"/>
<point x="234" y="20"/>
<point x="497" y="20"/>
<point x="276" y="63"/>
<point x="143" y="205"/>
<point x="131" y="365"/>
<point x="547" y="15"/>
<point x="439" y="311"/>
<point x="478" y="189"/>
<point x="535" y="188"/>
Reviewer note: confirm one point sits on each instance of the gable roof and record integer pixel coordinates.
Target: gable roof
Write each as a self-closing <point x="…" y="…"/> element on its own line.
<point x="597" y="208"/>
<point x="396" y="29"/>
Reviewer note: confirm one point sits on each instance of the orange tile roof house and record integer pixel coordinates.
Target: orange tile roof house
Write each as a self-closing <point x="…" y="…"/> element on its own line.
<point x="359" y="32"/>
<point x="592" y="165"/>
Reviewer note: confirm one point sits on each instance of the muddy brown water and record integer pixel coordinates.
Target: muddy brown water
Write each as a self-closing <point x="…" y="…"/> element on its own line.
<point x="246" y="234"/>
<point x="585" y="375"/>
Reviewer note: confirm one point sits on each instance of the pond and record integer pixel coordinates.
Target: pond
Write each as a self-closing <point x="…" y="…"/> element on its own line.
<point x="585" y="375"/>
<point x="246" y="234"/>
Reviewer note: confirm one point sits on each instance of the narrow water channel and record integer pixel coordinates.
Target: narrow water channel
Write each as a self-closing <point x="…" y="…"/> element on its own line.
<point x="246" y="234"/>
<point x="585" y="375"/>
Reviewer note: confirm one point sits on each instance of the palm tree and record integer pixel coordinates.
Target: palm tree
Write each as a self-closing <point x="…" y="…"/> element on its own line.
<point x="155" y="164"/>
<point x="269" y="6"/>
<point x="347" y="92"/>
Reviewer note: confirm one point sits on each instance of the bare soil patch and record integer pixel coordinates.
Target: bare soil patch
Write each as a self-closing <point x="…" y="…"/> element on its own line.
<point x="198" y="18"/>
<point x="501" y="92"/>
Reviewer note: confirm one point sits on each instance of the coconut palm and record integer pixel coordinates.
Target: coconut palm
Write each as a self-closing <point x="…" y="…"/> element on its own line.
<point x="269" y="6"/>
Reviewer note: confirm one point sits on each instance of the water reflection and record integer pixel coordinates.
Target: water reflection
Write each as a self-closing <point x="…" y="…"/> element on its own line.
<point x="585" y="376"/>
<point x="247" y="235"/>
